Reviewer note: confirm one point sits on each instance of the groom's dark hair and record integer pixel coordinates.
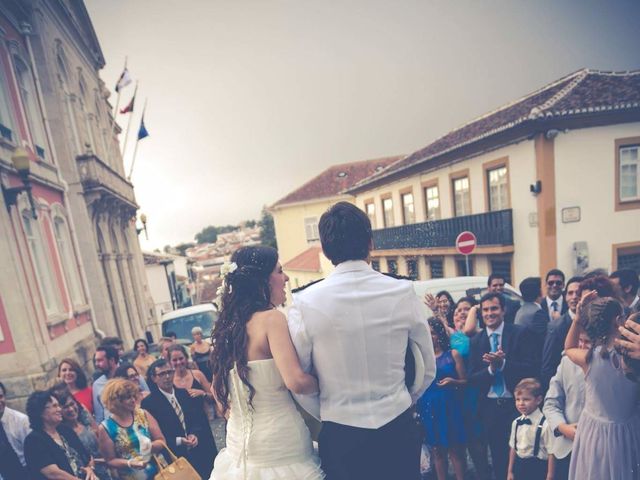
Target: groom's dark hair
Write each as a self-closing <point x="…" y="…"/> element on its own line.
<point x="345" y="233"/>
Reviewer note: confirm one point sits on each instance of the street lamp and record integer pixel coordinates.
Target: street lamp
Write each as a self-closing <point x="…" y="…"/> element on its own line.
<point x="22" y="164"/>
<point x="143" y="219"/>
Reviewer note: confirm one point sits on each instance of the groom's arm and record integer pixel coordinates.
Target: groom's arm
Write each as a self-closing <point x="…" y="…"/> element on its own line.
<point x="421" y="335"/>
<point x="300" y="338"/>
<point x="303" y="345"/>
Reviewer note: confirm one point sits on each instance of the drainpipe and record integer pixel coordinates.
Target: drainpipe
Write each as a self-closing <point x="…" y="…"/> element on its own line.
<point x="25" y="30"/>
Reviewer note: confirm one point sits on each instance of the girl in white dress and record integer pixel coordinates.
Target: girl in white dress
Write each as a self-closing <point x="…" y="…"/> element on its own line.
<point x="254" y="366"/>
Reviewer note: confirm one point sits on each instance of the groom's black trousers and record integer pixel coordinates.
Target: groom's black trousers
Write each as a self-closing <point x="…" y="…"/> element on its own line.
<point x="391" y="452"/>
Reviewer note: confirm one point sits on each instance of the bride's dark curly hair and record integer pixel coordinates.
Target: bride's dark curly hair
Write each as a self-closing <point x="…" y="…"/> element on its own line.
<point x="246" y="291"/>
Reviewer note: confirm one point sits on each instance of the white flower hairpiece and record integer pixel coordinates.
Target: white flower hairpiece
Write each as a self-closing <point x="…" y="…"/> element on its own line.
<point x="227" y="268"/>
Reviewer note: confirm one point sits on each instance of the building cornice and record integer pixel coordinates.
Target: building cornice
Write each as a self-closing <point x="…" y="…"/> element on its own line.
<point x="510" y="134"/>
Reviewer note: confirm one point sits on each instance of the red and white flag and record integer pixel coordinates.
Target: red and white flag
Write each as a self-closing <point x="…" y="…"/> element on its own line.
<point x="129" y="107"/>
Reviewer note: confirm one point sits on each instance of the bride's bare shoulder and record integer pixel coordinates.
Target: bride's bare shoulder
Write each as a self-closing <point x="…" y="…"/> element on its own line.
<point x="271" y="316"/>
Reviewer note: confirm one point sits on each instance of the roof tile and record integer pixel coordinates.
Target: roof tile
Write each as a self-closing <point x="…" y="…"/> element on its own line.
<point x="308" y="261"/>
<point x="336" y="179"/>
<point x="578" y="93"/>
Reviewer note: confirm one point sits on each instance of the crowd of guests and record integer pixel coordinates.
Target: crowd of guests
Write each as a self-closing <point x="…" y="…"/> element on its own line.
<point x="125" y="421"/>
<point x="539" y="390"/>
<point x="546" y="389"/>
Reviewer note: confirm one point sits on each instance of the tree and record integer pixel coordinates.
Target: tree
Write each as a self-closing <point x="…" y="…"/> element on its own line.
<point x="268" y="230"/>
<point x="250" y="223"/>
<point x="183" y="247"/>
<point x="210" y="234"/>
<point x="207" y="235"/>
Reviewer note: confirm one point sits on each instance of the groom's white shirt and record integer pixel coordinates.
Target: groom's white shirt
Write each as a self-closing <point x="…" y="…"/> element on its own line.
<point x="352" y="331"/>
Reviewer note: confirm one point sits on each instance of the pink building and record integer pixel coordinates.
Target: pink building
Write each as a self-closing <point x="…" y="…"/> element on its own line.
<point x="69" y="256"/>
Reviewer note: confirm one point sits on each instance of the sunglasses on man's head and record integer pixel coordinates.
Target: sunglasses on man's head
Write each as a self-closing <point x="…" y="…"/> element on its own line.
<point x="557" y="283"/>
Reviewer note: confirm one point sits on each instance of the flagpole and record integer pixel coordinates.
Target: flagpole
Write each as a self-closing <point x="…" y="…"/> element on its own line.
<point x="115" y="116"/>
<point x="135" y="150"/>
<point x="126" y="135"/>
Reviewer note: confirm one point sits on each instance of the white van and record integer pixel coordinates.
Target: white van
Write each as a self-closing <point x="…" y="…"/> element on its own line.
<point x="181" y="321"/>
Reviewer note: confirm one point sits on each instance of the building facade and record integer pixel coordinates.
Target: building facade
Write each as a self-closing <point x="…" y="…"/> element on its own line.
<point x="550" y="180"/>
<point x="72" y="265"/>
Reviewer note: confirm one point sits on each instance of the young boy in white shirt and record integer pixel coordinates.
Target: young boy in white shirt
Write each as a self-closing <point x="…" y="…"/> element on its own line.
<point x="531" y="438"/>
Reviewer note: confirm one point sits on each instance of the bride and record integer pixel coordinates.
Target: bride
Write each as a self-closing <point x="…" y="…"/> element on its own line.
<point x="254" y="367"/>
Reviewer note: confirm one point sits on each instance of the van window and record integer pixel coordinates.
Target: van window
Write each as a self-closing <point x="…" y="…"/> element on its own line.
<point x="182" y="325"/>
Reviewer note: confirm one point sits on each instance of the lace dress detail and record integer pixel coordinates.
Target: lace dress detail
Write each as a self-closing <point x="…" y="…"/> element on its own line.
<point x="243" y="394"/>
<point x="269" y="440"/>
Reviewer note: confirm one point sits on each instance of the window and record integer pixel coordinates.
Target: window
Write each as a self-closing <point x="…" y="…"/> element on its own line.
<point x="498" y="188"/>
<point x="387" y="210"/>
<point x="392" y="266"/>
<point x="6" y="117"/>
<point x="437" y="268"/>
<point x="502" y="267"/>
<point x="101" y="130"/>
<point x="412" y="268"/>
<point x="629" y="169"/>
<point x="627" y="255"/>
<point x="630" y="260"/>
<point x="370" y="209"/>
<point x="432" y="197"/>
<point x="40" y="263"/>
<point x="67" y="256"/>
<point x="461" y="266"/>
<point x="461" y="197"/>
<point x="375" y="264"/>
<point x="63" y="78"/>
<point x="408" y="211"/>
<point x="311" y="229"/>
<point x="28" y="94"/>
<point x="88" y="140"/>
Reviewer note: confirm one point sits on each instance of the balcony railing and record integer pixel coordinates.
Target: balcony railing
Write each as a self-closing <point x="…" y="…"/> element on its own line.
<point x="98" y="177"/>
<point x="492" y="228"/>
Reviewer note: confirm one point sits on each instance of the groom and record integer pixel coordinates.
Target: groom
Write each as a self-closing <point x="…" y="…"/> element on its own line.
<point x="352" y="330"/>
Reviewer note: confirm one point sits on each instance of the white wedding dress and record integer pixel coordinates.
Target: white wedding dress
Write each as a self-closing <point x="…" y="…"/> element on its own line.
<point x="269" y="441"/>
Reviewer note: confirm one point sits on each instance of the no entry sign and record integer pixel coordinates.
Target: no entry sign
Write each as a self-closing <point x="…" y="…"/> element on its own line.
<point x="466" y="243"/>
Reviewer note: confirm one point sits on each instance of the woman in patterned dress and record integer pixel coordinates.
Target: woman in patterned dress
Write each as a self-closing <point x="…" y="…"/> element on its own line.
<point x="130" y="436"/>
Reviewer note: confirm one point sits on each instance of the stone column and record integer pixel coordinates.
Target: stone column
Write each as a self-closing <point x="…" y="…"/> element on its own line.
<point x="113" y="283"/>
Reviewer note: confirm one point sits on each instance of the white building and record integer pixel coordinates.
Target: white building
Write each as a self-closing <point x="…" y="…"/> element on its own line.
<point x="170" y="285"/>
<point x="549" y="180"/>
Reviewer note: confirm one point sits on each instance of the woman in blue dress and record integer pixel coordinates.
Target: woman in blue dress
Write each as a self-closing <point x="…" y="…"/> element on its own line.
<point x="441" y="407"/>
<point x="460" y="341"/>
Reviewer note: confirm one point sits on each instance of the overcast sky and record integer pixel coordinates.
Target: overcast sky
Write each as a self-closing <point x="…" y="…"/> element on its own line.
<point x="249" y="99"/>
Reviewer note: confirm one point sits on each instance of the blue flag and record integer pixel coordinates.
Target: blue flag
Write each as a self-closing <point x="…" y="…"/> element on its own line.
<point x="142" y="133"/>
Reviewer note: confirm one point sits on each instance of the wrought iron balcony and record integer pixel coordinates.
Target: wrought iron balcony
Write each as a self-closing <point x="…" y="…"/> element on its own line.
<point x="492" y="228"/>
<point x="101" y="180"/>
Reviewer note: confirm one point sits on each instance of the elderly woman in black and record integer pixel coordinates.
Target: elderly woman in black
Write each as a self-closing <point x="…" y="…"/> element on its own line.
<point x="53" y="451"/>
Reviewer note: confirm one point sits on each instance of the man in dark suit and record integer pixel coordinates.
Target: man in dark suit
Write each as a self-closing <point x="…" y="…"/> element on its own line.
<point x="627" y="282"/>
<point x="180" y="420"/>
<point x="557" y="332"/>
<point x="495" y="283"/>
<point x="500" y="356"/>
<point x="530" y="315"/>
<point x="553" y="304"/>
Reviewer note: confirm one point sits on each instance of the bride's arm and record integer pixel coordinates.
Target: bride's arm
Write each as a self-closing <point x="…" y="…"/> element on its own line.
<point x="286" y="357"/>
